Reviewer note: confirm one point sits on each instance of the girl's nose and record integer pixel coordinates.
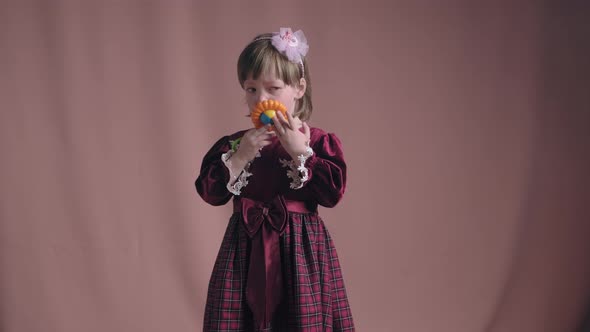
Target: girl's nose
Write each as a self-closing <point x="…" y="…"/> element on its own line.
<point x="263" y="96"/>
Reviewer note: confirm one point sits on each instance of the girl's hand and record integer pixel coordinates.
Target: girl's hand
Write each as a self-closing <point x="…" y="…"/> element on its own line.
<point x="252" y="141"/>
<point x="293" y="140"/>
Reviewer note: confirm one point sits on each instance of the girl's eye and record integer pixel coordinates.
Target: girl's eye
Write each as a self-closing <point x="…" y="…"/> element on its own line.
<point x="251" y="90"/>
<point x="275" y="88"/>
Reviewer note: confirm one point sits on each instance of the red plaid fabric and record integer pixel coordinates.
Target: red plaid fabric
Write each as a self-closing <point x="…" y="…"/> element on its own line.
<point x="315" y="296"/>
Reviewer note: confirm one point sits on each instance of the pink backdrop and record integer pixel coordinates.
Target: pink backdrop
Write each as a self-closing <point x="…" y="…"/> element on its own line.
<point x="465" y="127"/>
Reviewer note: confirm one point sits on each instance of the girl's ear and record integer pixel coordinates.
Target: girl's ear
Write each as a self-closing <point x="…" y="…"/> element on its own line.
<point x="301" y="88"/>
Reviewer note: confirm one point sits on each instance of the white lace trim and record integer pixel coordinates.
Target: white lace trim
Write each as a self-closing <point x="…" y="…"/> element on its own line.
<point x="298" y="174"/>
<point x="236" y="181"/>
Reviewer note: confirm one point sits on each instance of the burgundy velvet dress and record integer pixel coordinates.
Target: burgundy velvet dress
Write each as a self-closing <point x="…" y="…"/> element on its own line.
<point x="277" y="268"/>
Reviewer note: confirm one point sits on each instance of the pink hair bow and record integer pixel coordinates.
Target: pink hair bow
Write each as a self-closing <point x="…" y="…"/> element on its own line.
<point x="293" y="45"/>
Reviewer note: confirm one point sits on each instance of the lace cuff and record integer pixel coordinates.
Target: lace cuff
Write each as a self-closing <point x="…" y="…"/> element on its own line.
<point x="298" y="174"/>
<point x="236" y="181"/>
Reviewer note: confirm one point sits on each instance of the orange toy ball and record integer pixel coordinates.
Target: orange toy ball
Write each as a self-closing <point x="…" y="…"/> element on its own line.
<point x="264" y="112"/>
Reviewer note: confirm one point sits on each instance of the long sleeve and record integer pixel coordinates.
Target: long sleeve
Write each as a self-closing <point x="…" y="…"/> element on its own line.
<point x="327" y="170"/>
<point x="212" y="181"/>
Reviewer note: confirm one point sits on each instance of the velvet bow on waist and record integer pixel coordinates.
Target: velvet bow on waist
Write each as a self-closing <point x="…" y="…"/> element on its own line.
<point x="255" y="213"/>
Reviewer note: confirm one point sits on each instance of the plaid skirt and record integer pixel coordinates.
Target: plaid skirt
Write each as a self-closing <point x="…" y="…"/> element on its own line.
<point x="314" y="294"/>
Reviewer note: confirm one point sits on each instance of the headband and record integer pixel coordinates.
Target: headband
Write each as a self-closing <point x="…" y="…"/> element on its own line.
<point x="292" y="45"/>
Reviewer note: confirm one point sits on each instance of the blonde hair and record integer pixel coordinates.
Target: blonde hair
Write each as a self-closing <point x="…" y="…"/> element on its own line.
<point x="261" y="56"/>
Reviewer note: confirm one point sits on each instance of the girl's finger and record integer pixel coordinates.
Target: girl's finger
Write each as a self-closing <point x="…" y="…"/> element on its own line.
<point x="278" y="125"/>
<point x="284" y="121"/>
<point x="250" y="132"/>
<point x="261" y="131"/>
<point x="264" y="137"/>
<point x="264" y="143"/>
<point x="306" y="131"/>
<point x="291" y="120"/>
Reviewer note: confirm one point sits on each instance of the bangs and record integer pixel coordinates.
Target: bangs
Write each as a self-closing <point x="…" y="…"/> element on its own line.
<point x="261" y="57"/>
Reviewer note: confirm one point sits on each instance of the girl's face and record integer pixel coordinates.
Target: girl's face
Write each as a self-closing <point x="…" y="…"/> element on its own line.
<point x="269" y="87"/>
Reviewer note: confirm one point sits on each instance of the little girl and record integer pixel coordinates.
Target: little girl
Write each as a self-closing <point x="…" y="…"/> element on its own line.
<point x="277" y="268"/>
